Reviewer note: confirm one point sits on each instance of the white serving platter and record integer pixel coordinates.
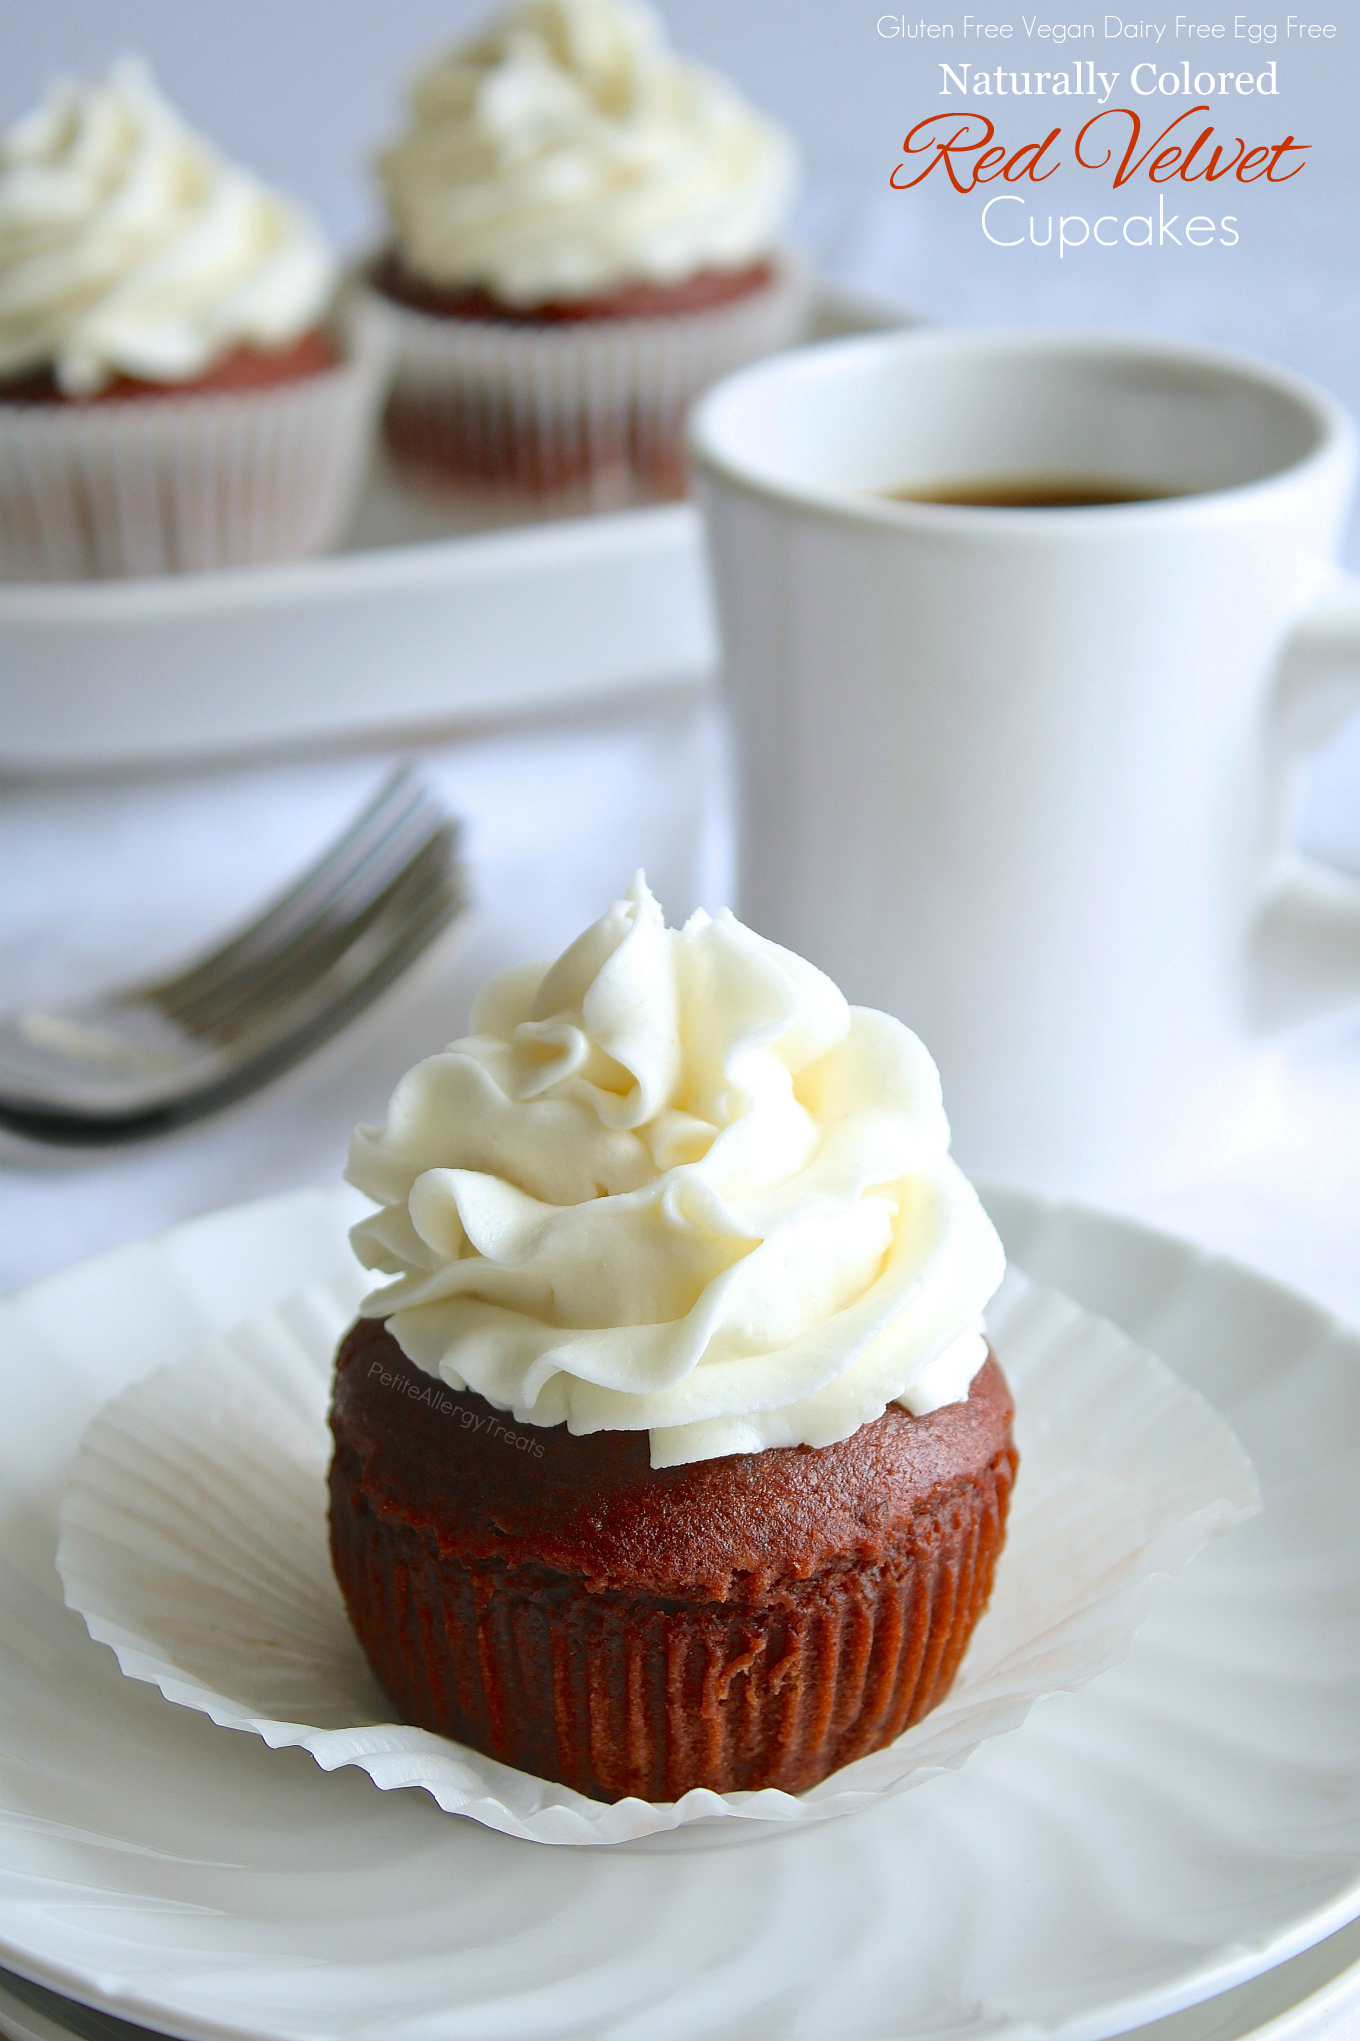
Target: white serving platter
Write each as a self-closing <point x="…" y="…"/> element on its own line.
<point x="420" y="623"/>
<point x="354" y="645"/>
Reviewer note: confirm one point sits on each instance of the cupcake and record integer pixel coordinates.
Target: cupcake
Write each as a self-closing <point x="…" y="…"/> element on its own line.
<point x="672" y="1454"/>
<point x="585" y="232"/>
<point x="172" y="396"/>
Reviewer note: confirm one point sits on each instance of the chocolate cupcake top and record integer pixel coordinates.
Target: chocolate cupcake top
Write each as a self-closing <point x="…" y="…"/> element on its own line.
<point x="675" y="1183"/>
<point x="129" y="247"/>
<point x="567" y="152"/>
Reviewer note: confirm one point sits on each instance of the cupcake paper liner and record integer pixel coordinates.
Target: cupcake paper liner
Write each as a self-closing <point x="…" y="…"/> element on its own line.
<point x="565" y="416"/>
<point x="194" y="1542"/>
<point x="167" y="485"/>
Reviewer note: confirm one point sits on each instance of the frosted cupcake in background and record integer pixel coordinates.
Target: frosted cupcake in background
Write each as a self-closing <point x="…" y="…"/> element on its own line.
<point x="172" y="396"/>
<point x="586" y="230"/>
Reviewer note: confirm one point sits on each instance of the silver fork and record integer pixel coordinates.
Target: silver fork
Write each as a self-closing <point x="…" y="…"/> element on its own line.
<point x="144" y="1058"/>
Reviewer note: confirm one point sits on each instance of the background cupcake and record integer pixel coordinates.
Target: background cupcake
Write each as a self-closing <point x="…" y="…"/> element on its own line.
<point x="171" y="395"/>
<point x="586" y="230"/>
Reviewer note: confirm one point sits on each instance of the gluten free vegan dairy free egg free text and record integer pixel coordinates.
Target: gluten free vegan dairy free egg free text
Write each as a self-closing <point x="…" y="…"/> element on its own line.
<point x="1239" y="28"/>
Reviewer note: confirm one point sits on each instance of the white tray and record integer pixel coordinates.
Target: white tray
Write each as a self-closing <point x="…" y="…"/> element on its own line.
<point x="127" y="672"/>
<point x="418" y="624"/>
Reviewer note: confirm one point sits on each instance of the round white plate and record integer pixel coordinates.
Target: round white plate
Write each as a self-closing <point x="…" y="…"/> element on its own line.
<point x="1189" y="1820"/>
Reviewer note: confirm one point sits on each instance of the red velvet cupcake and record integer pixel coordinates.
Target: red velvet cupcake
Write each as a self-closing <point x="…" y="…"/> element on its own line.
<point x="558" y="1604"/>
<point x="586" y="231"/>
<point x="673" y="1456"/>
<point x="171" y="396"/>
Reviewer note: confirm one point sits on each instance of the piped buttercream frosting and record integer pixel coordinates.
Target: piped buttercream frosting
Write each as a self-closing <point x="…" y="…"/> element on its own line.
<point x="129" y="246"/>
<point x="567" y="151"/>
<point x="673" y="1182"/>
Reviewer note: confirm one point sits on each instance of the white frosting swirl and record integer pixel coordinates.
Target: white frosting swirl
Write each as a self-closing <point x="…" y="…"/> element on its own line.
<point x="674" y="1182"/>
<point x="128" y="246"/>
<point x="567" y="151"/>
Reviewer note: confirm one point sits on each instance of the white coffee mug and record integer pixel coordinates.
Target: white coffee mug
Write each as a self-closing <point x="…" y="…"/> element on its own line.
<point x="1021" y="776"/>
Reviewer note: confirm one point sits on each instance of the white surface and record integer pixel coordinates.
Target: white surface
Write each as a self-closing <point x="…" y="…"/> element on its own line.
<point x="989" y="780"/>
<point x="1127" y="1474"/>
<point x="185" y="1876"/>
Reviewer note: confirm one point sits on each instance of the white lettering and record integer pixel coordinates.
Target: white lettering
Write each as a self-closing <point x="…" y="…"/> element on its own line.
<point x="1076" y="231"/>
<point x="1002" y="198"/>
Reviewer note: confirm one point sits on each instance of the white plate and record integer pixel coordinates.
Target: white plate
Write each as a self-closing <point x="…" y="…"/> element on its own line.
<point x="1189" y="1820"/>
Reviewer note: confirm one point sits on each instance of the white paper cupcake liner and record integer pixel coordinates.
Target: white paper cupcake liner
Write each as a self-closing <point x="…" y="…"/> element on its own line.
<point x="194" y="1542"/>
<point x="167" y="485"/>
<point x="587" y="415"/>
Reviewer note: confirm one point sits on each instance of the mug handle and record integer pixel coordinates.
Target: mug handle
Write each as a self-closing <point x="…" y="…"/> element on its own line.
<point x="1307" y="934"/>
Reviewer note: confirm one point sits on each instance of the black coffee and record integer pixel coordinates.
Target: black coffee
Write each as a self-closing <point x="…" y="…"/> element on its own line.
<point x="1030" y="492"/>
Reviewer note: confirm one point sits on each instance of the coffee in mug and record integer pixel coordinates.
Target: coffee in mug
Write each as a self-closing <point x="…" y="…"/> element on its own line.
<point x="1019" y="492"/>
